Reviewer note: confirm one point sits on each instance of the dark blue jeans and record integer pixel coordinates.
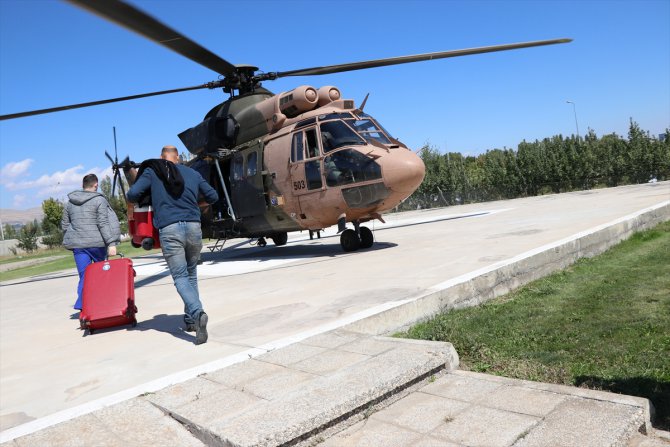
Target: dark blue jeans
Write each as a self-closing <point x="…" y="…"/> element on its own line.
<point x="82" y="258"/>
<point x="181" y="243"/>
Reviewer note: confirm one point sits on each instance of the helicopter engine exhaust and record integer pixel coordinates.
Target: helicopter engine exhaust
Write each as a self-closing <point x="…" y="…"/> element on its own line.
<point x="328" y="94"/>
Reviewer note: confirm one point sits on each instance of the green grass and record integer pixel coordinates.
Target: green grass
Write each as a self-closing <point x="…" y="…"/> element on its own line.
<point x="603" y="323"/>
<point x="66" y="261"/>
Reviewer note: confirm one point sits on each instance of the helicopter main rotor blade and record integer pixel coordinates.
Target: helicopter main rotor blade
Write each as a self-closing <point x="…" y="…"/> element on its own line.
<point x="414" y="58"/>
<point x="135" y="20"/>
<point x="104" y="101"/>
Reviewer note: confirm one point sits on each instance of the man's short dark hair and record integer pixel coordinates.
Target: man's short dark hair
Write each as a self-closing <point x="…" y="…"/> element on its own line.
<point x="89" y="180"/>
<point x="169" y="149"/>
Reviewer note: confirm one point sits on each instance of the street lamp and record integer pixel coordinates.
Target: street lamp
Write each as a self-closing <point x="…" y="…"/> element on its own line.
<point x="574" y="110"/>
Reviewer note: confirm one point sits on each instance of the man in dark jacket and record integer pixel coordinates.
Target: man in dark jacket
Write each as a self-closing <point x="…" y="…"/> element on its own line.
<point x="175" y="190"/>
<point x="91" y="228"/>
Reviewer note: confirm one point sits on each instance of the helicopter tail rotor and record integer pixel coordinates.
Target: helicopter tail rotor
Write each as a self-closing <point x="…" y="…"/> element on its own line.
<point x="116" y="168"/>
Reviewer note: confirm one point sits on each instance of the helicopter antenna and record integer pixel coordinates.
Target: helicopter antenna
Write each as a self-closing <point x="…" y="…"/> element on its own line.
<point x="363" y="103"/>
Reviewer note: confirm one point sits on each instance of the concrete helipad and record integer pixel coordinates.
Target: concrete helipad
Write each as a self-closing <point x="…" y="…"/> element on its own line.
<point x="263" y="299"/>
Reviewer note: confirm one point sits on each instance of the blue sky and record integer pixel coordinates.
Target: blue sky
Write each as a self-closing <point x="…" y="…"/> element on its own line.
<point x="52" y="54"/>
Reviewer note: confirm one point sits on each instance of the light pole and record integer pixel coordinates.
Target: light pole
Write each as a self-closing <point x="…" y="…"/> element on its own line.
<point x="574" y="110"/>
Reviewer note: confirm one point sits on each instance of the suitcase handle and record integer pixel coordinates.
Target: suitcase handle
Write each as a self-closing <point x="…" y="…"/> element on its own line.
<point x="120" y="255"/>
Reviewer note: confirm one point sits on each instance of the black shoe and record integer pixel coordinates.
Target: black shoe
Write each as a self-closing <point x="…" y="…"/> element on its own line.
<point x="201" y="329"/>
<point x="190" y="327"/>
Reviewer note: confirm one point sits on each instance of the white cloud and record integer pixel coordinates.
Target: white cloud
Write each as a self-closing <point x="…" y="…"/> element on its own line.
<point x="13" y="170"/>
<point x="56" y="185"/>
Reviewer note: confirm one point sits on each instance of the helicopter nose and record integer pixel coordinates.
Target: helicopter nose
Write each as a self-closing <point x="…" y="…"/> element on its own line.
<point x="404" y="171"/>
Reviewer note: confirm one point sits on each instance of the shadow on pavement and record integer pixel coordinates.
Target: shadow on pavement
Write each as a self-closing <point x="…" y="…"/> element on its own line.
<point x="170" y="324"/>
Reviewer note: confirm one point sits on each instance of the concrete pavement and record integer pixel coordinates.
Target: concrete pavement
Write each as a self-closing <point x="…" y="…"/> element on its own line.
<point x="275" y="297"/>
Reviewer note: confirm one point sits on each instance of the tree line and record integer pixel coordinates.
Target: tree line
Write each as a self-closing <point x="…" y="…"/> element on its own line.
<point x="552" y="165"/>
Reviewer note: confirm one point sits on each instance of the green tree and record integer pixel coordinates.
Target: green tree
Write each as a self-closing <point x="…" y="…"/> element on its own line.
<point x="640" y="153"/>
<point x="53" y="213"/>
<point x="28" y="237"/>
<point x="117" y="202"/>
<point x="9" y="231"/>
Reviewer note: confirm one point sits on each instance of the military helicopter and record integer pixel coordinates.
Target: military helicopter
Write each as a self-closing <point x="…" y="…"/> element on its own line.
<point x="305" y="159"/>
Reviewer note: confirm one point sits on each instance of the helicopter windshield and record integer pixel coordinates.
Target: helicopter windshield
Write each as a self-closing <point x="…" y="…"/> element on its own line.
<point x="364" y="115"/>
<point x="350" y="166"/>
<point x="368" y="129"/>
<point x="336" y="134"/>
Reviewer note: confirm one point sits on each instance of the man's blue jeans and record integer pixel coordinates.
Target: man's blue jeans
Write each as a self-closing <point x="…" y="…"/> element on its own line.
<point x="82" y="258"/>
<point x="181" y="243"/>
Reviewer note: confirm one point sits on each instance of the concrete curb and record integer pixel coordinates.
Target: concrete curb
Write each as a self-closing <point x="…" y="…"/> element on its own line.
<point x="502" y="277"/>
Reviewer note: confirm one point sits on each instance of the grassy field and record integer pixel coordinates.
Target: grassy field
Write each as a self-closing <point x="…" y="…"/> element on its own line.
<point x="603" y="323"/>
<point x="63" y="260"/>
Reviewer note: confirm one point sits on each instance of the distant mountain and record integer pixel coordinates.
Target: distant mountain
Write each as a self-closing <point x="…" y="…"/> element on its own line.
<point x="13" y="217"/>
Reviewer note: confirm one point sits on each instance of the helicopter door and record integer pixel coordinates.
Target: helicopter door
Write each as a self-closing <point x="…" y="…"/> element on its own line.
<point x="246" y="181"/>
<point x="305" y="163"/>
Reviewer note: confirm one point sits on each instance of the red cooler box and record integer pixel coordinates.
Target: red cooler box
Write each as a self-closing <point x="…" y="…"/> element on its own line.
<point x="141" y="227"/>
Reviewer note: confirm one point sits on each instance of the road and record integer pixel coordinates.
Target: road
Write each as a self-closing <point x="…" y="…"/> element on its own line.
<point x="259" y="299"/>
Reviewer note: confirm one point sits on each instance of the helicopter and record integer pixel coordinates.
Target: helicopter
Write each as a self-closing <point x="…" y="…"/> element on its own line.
<point x="304" y="159"/>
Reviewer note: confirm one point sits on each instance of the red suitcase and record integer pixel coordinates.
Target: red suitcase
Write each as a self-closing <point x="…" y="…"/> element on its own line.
<point x="108" y="296"/>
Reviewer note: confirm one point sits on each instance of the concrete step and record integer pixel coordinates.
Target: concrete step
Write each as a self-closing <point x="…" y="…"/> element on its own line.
<point x="345" y="389"/>
<point x="279" y="398"/>
<point x="655" y="438"/>
<point x="471" y="409"/>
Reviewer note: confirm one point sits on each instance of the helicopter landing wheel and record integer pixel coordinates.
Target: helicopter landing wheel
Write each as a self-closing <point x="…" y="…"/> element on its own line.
<point x="349" y="240"/>
<point x="280" y="239"/>
<point x="367" y="239"/>
<point x="261" y="242"/>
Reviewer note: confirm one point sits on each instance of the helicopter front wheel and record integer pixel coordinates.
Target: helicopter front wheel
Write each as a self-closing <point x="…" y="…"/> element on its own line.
<point x="367" y="239"/>
<point x="349" y="240"/>
<point x="280" y="239"/>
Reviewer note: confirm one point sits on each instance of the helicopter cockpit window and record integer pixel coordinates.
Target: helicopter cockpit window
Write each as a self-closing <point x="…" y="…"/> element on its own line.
<point x="350" y="166"/>
<point x="311" y="143"/>
<point x="252" y="164"/>
<point x="297" y="147"/>
<point x="238" y="167"/>
<point x="336" y="134"/>
<point x="305" y="123"/>
<point x="331" y="116"/>
<point x="368" y="129"/>
<point x="364" y="115"/>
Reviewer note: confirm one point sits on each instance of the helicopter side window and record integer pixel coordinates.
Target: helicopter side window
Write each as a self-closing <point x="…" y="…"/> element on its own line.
<point x="313" y="174"/>
<point x="252" y="167"/>
<point x="336" y="134"/>
<point x="238" y="167"/>
<point x="297" y="147"/>
<point x="312" y="145"/>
